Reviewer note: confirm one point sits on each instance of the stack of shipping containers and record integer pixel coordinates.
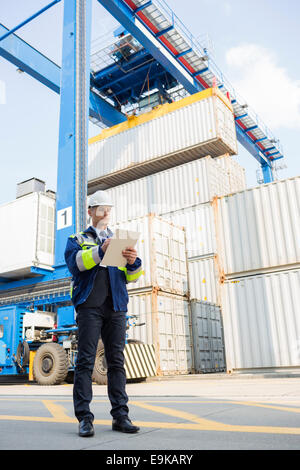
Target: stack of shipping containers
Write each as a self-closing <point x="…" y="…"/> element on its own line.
<point x="258" y="235"/>
<point x="159" y="297"/>
<point x="163" y="171"/>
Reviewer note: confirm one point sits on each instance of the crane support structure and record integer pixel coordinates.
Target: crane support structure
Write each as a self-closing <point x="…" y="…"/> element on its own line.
<point x="37" y="65"/>
<point x="73" y="126"/>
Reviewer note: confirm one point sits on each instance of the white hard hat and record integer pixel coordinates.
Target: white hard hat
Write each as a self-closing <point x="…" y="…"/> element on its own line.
<point x="99" y="198"/>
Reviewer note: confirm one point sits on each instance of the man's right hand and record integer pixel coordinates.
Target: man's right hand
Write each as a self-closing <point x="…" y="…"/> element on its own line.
<point x="105" y="245"/>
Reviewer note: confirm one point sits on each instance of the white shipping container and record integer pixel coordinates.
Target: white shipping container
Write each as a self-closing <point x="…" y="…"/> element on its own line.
<point x="187" y="185"/>
<point x="258" y="229"/>
<point x="184" y="186"/>
<point x="30" y="220"/>
<point x="167" y="326"/>
<point x="203" y="278"/>
<point x="161" y="247"/>
<point x="208" y="339"/>
<point x="199" y="225"/>
<point x="196" y="126"/>
<point x="261" y="321"/>
<point x="236" y="173"/>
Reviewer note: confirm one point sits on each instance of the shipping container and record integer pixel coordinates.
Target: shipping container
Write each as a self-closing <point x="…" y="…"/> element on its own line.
<point x="208" y="338"/>
<point x="258" y="229"/>
<point x="261" y="321"/>
<point x="199" y="225"/>
<point x="167" y="326"/>
<point x="161" y="247"/>
<point x="31" y="221"/>
<point x="203" y="277"/>
<point x="236" y="173"/>
<point x="196" y="126"/>
<point x="181" y="187"/>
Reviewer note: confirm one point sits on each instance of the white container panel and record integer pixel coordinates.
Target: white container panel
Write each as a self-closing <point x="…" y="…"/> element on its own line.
<point x="161" y="247"/>
<point x="259" y="227"/>
<point x="181" y="187"/>
<point x="203" y="280"/>
<point x="205" y="127"/>
<point x="187" y="185"/>
<point x="167" y="327"/>
<point x="261" y="321"/>
<point x="199" y="225"/>
<point x="236" y="173"/>
<point x="31" y="236"/>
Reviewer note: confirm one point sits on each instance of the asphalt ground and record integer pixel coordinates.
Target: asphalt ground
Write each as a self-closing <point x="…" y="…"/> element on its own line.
<point x="193" y="413"/>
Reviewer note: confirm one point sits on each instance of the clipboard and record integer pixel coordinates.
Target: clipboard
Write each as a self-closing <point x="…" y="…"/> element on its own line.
<point x="120" y="240"/>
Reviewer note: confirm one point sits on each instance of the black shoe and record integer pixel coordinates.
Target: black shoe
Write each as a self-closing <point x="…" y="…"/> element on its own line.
<point x="86" y="428"/>
<point x="124" y="425"/>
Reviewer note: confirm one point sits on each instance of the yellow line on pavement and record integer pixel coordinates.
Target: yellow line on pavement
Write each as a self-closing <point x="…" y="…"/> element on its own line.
<point x="166" y="425"/>
<point x="263" y="405"/>
<point x="58" y="411"/>
<point x="208" y="425"/>
<point x="192" y="421"/>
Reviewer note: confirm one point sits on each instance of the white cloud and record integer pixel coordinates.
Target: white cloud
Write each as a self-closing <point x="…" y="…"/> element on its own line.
<point x="265" y="85"/>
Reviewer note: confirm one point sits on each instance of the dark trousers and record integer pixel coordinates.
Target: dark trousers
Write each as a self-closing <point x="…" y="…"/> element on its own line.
<point x="94" y="322"/>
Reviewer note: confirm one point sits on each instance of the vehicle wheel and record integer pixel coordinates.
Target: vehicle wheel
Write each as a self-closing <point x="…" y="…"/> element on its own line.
<point x="100" y="368"/>
<point x="50" y="365"/>
<point x="23" y="354"/>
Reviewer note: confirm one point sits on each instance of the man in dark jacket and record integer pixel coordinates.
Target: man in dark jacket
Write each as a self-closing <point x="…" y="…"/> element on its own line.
<point x="99" y="295"/>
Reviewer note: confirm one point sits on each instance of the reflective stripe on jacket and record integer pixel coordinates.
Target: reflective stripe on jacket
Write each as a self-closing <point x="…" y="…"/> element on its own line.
<point x="83" y="254"/>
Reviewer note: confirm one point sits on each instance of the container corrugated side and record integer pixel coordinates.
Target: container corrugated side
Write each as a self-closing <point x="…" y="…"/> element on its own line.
<point x="204" y="280"/>
<point x="208" y="338"/>
<point x="235" y="172"/>
<point x="33" y="214"/>
<point x="199" y="225"/>
<point x="258" y="229"/>
<point x="167" y="326"/>
<point x="187" y="185"/>
<point x="204" y="127"/>
<point x="161" y="247"/>
<point x="184" y="186"/>
<point x="261" y="321"/>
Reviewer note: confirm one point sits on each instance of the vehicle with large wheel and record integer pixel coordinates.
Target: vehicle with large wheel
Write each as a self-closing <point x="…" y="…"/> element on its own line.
<point x="52" y="361"/>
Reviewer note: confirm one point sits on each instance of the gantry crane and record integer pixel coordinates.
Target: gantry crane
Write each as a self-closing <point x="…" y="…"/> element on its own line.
<point x="160" y="49"/>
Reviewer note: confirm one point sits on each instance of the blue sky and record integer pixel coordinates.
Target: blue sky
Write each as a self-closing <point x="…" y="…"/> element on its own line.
<point x="255" y="45"/>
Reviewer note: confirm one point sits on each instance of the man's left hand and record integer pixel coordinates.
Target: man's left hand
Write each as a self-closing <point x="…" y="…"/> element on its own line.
<point x="130" y="254"/>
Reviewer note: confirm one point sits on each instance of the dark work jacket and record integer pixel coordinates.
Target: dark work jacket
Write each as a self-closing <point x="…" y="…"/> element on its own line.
<point x="83" y="254"/>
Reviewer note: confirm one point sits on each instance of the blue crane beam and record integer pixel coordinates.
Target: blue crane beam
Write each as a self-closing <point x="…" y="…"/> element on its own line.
<point x="37" y="65"/>
<point x="32" y="17"/>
